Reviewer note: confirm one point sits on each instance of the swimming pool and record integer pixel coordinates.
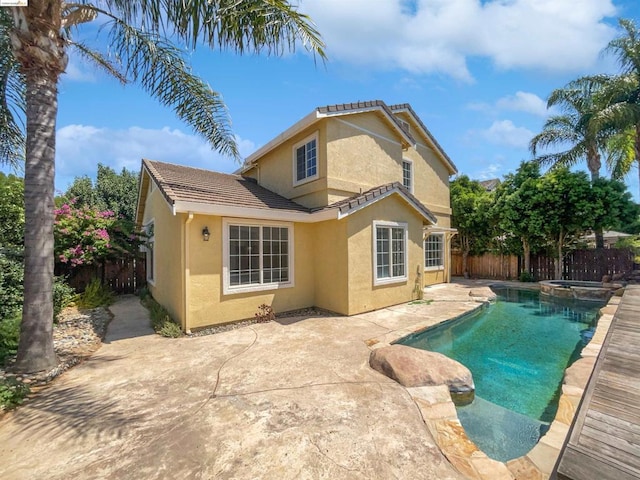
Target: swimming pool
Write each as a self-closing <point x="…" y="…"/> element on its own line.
<point x="517" y="350"/>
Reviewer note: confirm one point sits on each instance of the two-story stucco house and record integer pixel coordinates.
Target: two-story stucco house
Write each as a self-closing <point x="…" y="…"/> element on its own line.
<point x="347" y="210"/>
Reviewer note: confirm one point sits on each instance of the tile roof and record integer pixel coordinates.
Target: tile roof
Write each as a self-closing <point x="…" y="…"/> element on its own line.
<point x="188" y="184"/>
<point x="406" y="106"/>
<point x="351" y="204"/>
<point x="491" y="184"/>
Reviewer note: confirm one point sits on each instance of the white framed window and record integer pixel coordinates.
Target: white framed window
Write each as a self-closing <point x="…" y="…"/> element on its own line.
<point x="389" y="252"/>
<point x="256" y="256"/>
<point x="305" y="160"/>
<point x="149" y="247"/>
<point x="434" y="251"/>
<point x="407" y="174"/>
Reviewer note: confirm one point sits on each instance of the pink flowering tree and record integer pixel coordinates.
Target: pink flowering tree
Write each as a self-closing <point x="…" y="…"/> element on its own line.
<point x="87" y="236"/>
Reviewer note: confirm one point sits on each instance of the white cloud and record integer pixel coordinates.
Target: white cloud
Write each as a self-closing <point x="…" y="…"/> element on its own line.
<point x="524" y="102"/>
<point x="439" y="36"/>
<point x="79" y="148"/>
<point x="504" y="132"/>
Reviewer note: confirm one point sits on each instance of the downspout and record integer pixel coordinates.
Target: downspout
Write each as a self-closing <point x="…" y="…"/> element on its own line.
<point x="187" y="275"/>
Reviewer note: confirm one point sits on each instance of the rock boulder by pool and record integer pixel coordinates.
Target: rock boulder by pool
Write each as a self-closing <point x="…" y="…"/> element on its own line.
<point x="412" y="367"/>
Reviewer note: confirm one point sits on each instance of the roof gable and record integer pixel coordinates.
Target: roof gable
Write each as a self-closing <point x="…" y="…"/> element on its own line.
<point x="329" y="111"/>
<point x="351" y="205"/>
<point x="426" y="134"/>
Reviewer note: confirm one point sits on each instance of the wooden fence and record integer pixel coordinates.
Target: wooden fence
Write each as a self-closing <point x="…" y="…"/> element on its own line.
<point x="125" y="275"/>
<point x="584" y="265"/>
<point x="499" y="267"/>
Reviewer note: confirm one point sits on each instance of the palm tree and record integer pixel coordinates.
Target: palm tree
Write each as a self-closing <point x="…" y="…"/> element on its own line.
<point x="139" y="48"/>
<point x="572" y="128"/>
<point x="12" y="99"/>
<point x="579" y="101"/>
<point x="621" y="94"/>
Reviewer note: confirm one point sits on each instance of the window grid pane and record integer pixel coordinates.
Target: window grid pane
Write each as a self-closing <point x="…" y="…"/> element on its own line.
<point x="390" y="252"/>
<point x="258" y="255"/>
<point x="406" y="174"/>
<point x="275" y="255"/>
<point x="306" y="160"/>
<point x="244" y="255"/>
<point x="433" y="251"/>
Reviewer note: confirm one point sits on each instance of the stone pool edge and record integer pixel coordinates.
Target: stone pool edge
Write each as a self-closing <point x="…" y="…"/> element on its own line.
<point x="440" y="416"/>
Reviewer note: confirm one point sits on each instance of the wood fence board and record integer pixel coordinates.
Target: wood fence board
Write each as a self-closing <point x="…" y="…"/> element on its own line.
<point x="582" y="265"/>
<point x="125" y="275"/>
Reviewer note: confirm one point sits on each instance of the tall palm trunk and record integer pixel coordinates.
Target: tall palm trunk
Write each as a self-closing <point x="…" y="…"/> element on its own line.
<point x="594" y="164"/>
<point x="40" y="52"/>
<point x="637" y="148"/>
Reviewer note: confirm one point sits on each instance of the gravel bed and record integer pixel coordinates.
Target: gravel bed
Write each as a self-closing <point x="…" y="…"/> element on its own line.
<point x="304" y="312"/>
<point x="76" y="336"/>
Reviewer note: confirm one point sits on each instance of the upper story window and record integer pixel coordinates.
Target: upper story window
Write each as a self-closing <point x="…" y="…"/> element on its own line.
<point x="434" y="252"/>
<point x="407" y="174"/>
<point x="305" y="160"/>
<point x="390" y="252"/>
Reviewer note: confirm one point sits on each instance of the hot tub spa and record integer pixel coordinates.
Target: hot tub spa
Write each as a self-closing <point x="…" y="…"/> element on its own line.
<point x="589" y="291"/>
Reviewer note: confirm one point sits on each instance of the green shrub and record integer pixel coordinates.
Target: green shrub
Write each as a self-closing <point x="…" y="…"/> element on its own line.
<point x="95" y="295"/>
<point x="161" y="321"/>
<point x="526" y="277"/>
<point x="63" y="295"/>
<point x="11" y="289"/>
<point x="9" y="336"/>
<point x="170" y="329"/>
<point x="12" y="393"/>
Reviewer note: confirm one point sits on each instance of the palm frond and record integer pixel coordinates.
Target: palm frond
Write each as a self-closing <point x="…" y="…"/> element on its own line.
<point x="621" y="154"/>
<point x="271" y="26"/>
<point x="100" y="61"/>
<point x="12" y="100"/>
<point x="626" y="48"/>
<point x="160" y="68"/>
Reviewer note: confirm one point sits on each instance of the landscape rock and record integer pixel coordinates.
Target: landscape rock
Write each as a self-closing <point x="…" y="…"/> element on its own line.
<point x="412" y="367"/>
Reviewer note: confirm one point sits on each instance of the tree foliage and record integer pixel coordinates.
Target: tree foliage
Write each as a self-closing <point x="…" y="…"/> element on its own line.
<point x="515" y="211"/>
<point x="85" y="235"/>
<point x="470" y="205"/>
<point x="115" y="192"/>
<point x="11" y="211"/>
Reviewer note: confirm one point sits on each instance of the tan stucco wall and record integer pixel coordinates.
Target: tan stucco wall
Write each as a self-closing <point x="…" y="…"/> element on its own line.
<point x="331" y="266"/>
<point x="356" y="153"/>
<point x="209" y="306"/>
<point x="167" y="287"/>
<point x="432" y="277"/>
<point x="363" y="295"/>
<point x="275" y="170"/>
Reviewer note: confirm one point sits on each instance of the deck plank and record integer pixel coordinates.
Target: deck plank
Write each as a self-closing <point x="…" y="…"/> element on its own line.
<point x="604" y="441"/>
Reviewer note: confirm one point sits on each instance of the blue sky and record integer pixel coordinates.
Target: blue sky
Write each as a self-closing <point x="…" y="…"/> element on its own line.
<point x="476" y="72"/>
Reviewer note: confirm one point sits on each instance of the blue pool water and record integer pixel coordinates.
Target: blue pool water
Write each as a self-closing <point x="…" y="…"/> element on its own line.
<point x="517" y="350"/>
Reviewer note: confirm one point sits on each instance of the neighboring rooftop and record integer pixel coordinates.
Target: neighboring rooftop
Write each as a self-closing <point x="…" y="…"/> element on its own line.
<point x="490" y="185"/>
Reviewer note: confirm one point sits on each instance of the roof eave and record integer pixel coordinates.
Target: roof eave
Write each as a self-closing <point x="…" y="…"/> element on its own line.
<point x="434" y="144"/>
<point x="296" y="128"/>
<point x="182" y="206"/>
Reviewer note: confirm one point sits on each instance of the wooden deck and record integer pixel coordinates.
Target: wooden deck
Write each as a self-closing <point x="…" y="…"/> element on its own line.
<point x="604" y="442"/>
